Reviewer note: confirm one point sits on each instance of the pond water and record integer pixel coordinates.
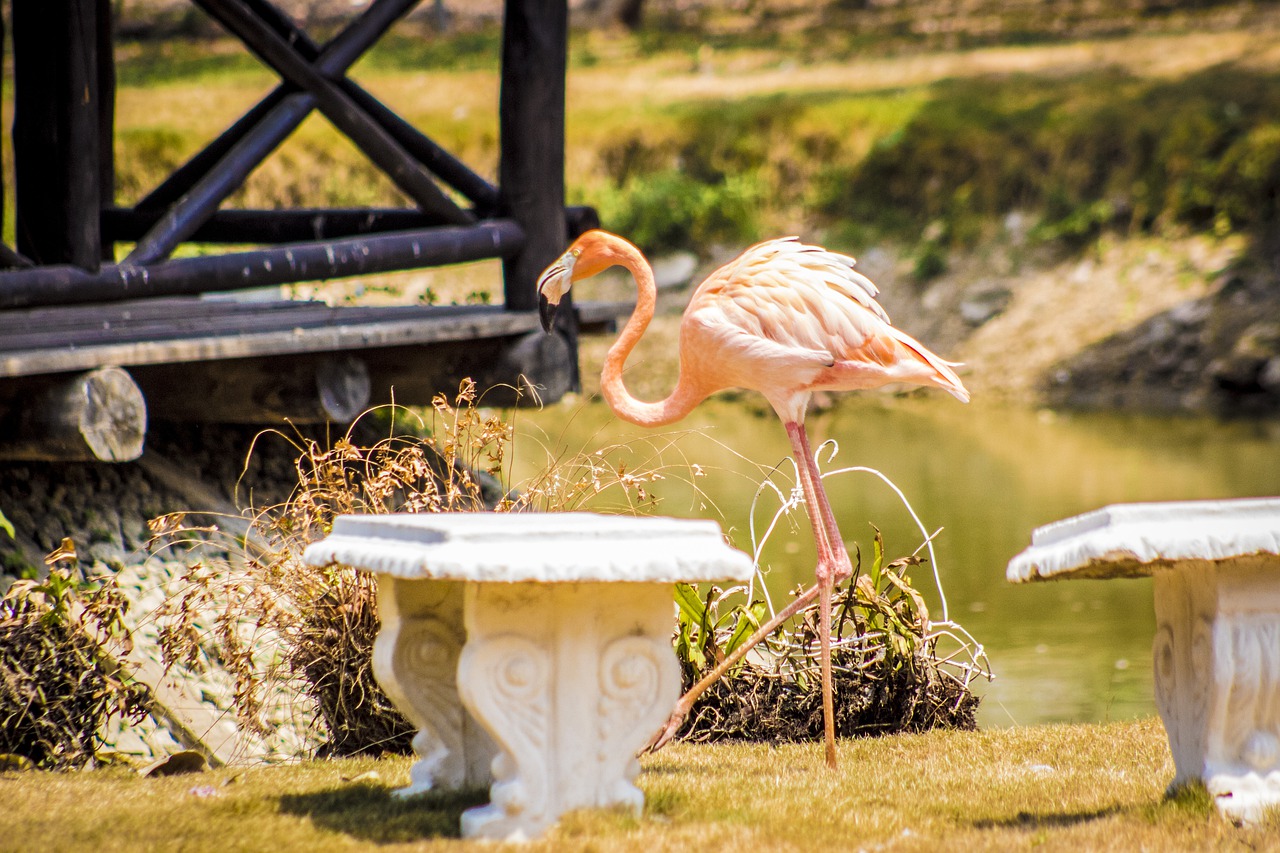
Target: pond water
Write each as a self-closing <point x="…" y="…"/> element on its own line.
<point x="1067" y="651"/>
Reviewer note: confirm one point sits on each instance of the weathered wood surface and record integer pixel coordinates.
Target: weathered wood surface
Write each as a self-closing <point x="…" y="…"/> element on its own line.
<point x="299" y="224"/>
<point x="56" y="126"/>
<point x="293" y="262"/>
<point x="306" y="388"/>
<point x="177" y="330"/>
<point x="97" y="415"/>
<point x="250" y="362"/>
<point x="318" y="388"/>
<point x="153" y="331"/>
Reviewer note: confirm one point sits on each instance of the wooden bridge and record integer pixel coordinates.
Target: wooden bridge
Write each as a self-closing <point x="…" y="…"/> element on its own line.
<point x="91" y="347"/>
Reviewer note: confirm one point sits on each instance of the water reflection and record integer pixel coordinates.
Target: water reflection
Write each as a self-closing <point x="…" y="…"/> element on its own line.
<point x="1064" y="651"/>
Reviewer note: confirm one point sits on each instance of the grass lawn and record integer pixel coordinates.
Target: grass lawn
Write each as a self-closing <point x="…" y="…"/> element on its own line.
<point x="1078" y="787"/>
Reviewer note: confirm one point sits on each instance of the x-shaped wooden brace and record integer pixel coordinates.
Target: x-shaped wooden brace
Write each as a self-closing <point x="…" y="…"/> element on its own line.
<point x="313" y="77"/>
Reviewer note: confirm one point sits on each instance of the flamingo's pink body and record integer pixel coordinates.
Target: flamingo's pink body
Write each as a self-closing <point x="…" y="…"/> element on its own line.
<point x="784" y="319"/>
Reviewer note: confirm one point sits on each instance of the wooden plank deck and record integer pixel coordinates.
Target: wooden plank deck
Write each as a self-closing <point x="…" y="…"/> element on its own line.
<point x="181" y="329"/>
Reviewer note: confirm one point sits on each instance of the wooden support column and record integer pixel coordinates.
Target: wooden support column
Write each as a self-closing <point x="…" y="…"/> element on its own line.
<point x="106" y="104"/>
<point x="531" y="117"/>
<point x="58" y="173"/>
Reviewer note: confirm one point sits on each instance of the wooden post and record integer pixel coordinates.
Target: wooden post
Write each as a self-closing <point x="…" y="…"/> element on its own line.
<point x="99" y="415"/>
<point x="106" y="104"/>
<point x="57" y="168"/>
<point x="531" y="117"/>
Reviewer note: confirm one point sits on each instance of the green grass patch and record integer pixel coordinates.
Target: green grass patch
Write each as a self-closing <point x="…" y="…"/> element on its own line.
<point x="725" y="145"/>
<point x="1062" y="787"/>
<point x="186" y="61"/>
<point x="1087" y="153"/>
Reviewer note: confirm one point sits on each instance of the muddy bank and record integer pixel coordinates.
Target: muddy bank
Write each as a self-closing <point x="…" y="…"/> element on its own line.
<point x="1162" y="326"/>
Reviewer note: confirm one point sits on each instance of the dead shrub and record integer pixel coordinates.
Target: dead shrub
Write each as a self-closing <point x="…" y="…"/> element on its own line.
<point x="59" y="682"/>
<point x="249" y="602"/>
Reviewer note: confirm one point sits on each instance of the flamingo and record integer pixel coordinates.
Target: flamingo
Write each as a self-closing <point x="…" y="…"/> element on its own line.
<point x="785" y="319"/>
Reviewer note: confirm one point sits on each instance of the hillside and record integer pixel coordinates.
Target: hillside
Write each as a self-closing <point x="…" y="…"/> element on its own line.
<point x="1071" y="196"/>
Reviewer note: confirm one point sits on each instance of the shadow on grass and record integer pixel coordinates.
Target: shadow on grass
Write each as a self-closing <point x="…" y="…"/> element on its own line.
<point x="1027" y="820"/>
<point x="374" y="814"/>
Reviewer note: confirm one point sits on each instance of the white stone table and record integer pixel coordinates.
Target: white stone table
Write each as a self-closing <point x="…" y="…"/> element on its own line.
<point x="531" y="650"/>
<point x="1216" y="572"/>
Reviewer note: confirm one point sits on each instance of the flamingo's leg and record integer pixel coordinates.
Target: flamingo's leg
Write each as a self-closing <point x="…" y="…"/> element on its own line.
<point x="835" y="541"/>
<point x="833" y="563"/>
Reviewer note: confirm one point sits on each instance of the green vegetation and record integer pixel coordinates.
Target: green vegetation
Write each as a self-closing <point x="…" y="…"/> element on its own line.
<point x="684" y="148"/>
<point x="887" y="671"/>
<point x="250" y="603"/>
<point x="1099" y="150"/>
<point x="1087" y="787"/>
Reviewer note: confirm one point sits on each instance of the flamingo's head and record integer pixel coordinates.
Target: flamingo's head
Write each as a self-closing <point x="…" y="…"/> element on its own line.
<point x="554" y="283"/>
<point x="589" y="254"/>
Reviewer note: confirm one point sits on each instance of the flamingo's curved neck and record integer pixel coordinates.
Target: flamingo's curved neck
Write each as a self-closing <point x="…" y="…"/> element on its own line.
<point x="685" y="396"/>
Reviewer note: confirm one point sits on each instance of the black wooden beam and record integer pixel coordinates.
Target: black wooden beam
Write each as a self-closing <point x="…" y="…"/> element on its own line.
<point x="9" y="259"/>
<point x="186" y="176"/>
<point x="106" y="121"/>
<point x="338" y="107"/>
<point x="439" y="161"/>
<point x="293" y="225"/>
<point x="58" y="176"/>
<point x="450" y="169"/>
<point x="531" y="115"/>
<point x="66" y="285"/>
<point x="196" y="205"/>
<point x="443" y="164"/>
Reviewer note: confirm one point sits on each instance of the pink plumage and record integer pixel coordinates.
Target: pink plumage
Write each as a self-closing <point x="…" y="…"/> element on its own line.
<point x="785" y="319"/>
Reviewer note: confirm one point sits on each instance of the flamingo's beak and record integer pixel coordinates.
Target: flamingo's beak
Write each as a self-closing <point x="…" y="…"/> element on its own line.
<point x="546" y="311"/>
<point x="553" y="284"/>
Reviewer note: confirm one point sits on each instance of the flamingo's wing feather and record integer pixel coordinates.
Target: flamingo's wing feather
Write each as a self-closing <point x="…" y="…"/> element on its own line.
<point x="800" y="297"/>
<point x="830" y="275"/>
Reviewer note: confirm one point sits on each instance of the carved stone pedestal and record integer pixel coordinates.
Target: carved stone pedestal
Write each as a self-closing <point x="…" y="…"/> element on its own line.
<point x="531" y="651"/>
<point x="1216" y="575"/>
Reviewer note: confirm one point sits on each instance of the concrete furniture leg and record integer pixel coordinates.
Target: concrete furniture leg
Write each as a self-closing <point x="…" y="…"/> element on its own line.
<point x="1217" y="678"/>
<point x="415" y="660"/>
<point x="570" y="680"/>
<point x="1216" y="575"/>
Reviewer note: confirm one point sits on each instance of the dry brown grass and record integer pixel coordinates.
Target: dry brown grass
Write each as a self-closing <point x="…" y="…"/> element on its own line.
<point x="250" y="603"/>
<point x="59" y="681"/>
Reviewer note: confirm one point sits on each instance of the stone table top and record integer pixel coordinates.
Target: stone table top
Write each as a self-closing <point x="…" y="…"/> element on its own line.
<point x="1133" y="540"/>
<point x="544" y="547"/>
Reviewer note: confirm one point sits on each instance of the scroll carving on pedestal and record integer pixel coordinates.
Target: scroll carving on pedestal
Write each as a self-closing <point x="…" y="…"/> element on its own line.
<point x="415" y="661"/>
<point x="1250" y="696"/>
<point x="639" y="682"/>
<point x="505" y="681"/>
